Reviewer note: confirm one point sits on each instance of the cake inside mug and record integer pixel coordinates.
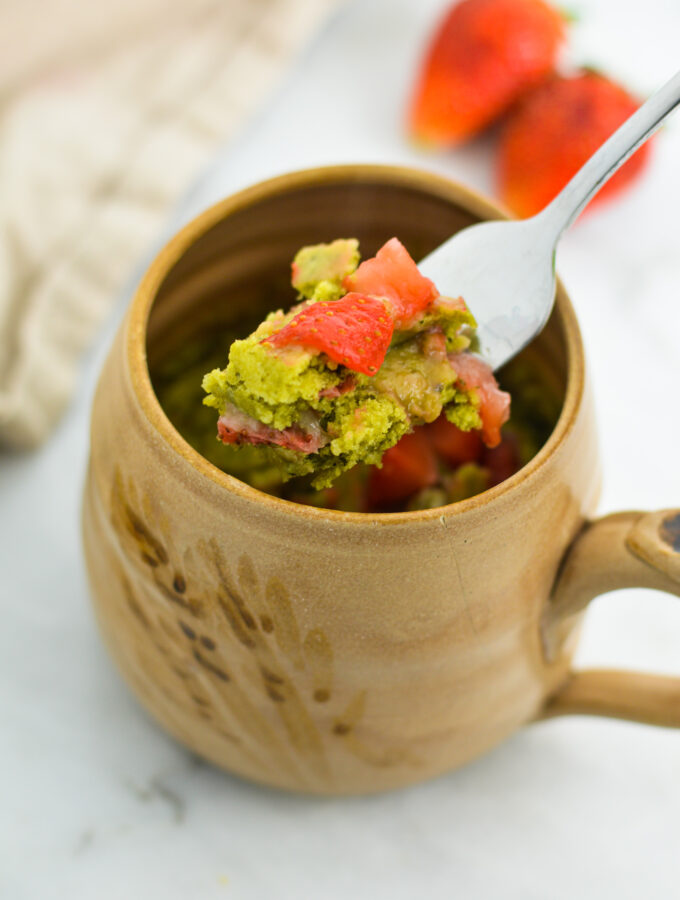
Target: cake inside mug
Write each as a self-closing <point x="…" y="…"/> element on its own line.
<point x="364" y="396"/>
<point x="369" y="353"/>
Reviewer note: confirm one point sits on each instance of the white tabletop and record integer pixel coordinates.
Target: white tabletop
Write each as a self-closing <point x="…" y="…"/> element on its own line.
<point x="95" y="801"/>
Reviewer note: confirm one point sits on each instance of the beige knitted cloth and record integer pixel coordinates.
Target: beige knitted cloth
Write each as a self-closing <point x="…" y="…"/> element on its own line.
<point x="108" y="110"/>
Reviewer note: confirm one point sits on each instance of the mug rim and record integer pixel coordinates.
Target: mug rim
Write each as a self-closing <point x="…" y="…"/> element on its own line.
<point x="135" y="338"/>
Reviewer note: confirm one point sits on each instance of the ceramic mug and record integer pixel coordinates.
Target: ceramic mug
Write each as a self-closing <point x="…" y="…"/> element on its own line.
<point x="333" y="652"/>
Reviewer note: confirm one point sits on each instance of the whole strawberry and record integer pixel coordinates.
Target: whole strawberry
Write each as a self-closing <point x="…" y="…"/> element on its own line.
<point x="483" y="57"/>
<point x="553" y="133"/>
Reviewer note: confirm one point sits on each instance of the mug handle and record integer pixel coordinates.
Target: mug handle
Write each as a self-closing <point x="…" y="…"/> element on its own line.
<point x="629" y="549"/>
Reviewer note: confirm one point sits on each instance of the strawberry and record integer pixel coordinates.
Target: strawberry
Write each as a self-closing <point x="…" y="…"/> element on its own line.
<point x="393" y="274"/>
<point x="407" y="467"/>
<point x="452" y="445"/>
<point x="355" y="330"/>
<point x="552" y="134"/>
<point x="494" y="404"/>
<point x="482" y="58"/>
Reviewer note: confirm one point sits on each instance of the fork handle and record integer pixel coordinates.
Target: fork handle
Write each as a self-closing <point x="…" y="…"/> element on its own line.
<point x="562" y="211"/>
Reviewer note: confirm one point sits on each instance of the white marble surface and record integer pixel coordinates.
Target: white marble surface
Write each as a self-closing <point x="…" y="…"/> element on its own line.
<point x="95" y="801"/>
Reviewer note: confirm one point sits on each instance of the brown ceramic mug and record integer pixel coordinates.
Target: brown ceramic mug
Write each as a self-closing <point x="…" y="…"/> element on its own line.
<point x="334" y="652"/>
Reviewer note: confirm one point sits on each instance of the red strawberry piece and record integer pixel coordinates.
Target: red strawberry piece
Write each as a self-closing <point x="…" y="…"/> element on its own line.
<point x="552" y="134"/>
<point x="355" y="330"/>
<point x="494" y="407"/>
<point x="393" y="274"/>
<point x="484" y="55"/>
<point x="452" y="445"/>
<point x="407" y="467"/>
<point x="236" y="427"/>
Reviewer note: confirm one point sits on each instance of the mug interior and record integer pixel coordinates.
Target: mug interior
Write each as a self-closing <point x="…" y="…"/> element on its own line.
<point x="238" y="266"/>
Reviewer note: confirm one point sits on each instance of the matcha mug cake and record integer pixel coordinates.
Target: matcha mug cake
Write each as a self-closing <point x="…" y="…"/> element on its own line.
<point x="371" y="369"/>
<point x="323" y="650"/>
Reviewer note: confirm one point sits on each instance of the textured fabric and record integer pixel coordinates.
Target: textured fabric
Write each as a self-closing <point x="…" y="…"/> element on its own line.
<point x="107" y="111"/>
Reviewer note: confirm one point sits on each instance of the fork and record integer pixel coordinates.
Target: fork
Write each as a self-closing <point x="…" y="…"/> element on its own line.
<point x="505" y="271"/>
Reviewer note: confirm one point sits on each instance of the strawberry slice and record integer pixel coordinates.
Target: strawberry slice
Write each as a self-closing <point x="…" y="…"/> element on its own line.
<point x="482" y="58"/>
<point x="407" y="467"/>
<point x="453" y="445"/>
<point x="355" y="330"/>
<point x="494" y="408"/>
<point x="552" y="134"/>
<point x="236" y="427"/>
<point x="393" y="274"/>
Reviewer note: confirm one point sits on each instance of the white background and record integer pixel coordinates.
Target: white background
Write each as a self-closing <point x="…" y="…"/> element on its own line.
<point x="95" y="801"/>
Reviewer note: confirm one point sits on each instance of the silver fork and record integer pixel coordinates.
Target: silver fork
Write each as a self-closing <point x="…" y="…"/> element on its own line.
<point x="505" y="271"/>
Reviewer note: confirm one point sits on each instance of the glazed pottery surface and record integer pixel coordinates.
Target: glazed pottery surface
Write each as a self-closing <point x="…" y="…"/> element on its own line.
<point x="336" y="652"/>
